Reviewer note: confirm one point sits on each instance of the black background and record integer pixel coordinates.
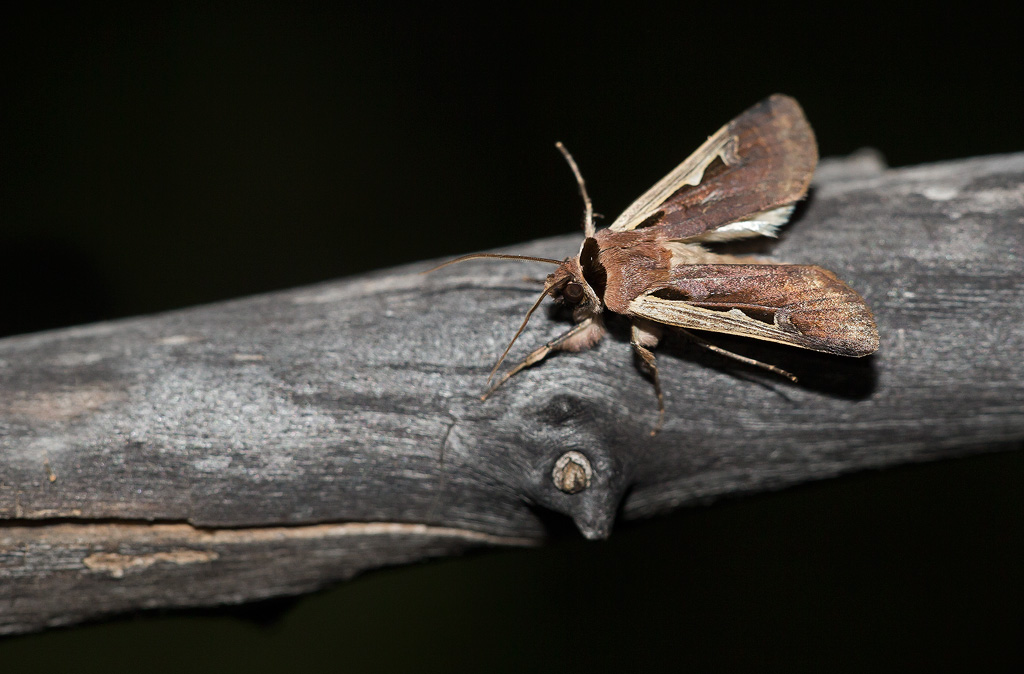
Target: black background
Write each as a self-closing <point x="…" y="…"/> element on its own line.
<point x="160" y="157"/>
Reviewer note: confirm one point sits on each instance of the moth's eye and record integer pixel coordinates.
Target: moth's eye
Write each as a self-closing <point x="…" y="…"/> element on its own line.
<point x="573" y="292"/>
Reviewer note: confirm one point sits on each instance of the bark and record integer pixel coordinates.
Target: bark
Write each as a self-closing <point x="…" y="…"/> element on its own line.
<point x="274" y="444"/>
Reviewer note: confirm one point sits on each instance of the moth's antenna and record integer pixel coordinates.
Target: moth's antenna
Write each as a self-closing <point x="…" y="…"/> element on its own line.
<point x="473" y="256"/>
<point x="588" y="213"/>
<point x="519" y="332"/>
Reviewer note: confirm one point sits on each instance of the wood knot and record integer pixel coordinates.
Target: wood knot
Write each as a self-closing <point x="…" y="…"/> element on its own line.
<point x="572" y="472"/>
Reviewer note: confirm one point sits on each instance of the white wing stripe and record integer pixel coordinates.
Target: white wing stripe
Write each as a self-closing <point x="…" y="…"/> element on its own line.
<point x="733" y="322"/>
<point x="764" y="223"/>
<point x="690" y="172"/>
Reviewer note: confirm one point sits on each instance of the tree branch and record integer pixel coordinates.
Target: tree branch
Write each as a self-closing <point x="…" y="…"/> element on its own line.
<point x="274" y="444"/>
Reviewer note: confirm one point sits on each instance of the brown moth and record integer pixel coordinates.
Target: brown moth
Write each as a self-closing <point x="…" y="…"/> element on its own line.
<point x="650" y="266"/>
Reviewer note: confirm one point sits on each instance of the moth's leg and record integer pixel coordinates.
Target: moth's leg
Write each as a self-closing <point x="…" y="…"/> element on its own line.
<point x="644" y="336"/>
<point x="581" y="336"/>
<point x="736" y="356"/>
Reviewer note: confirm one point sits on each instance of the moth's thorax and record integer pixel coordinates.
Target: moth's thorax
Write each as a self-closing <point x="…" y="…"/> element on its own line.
<point x="633" y="263"/>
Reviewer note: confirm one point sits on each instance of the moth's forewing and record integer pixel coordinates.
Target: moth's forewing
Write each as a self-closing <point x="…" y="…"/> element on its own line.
<point x="761" y="160"/>
<point x="799" y="305"/>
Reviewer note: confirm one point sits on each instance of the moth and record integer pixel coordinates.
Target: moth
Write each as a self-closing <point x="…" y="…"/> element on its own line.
<point x="651" y="266"/>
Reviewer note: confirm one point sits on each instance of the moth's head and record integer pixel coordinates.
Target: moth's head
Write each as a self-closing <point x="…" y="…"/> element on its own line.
<point x="578" y="279"/>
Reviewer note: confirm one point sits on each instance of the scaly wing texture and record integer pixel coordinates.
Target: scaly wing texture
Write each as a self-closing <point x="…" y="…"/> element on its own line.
<point x="759" y="162"/>
<point x="800" y="305"/>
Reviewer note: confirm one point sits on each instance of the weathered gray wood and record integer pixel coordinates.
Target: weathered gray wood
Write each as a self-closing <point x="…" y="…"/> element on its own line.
<point x="273" y="444"/>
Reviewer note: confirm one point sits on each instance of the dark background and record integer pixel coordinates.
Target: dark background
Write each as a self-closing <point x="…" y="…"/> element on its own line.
<point x="155" y="158"/>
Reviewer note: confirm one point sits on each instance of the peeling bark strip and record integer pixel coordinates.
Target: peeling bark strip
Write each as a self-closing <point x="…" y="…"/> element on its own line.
<point x="116" y="564"/>
<point x="251" y="423"/>
<point x="178" y="565"/>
